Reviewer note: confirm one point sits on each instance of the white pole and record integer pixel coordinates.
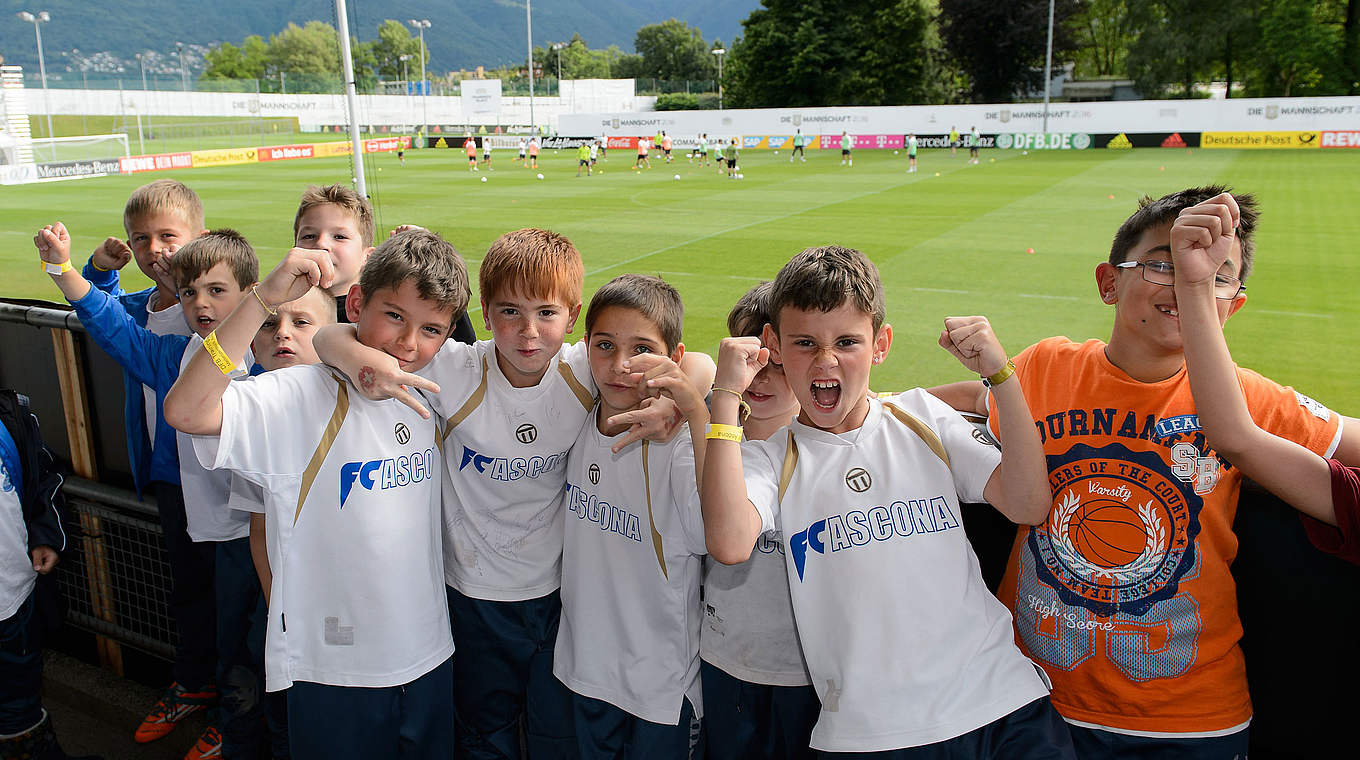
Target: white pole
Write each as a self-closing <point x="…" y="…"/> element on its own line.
<point x="529" y="32"/>
<point x="37" y="19"/>
<point x="422" y="25"/>
<point x="1048" y="67"/>
<point x="347" y="61"/>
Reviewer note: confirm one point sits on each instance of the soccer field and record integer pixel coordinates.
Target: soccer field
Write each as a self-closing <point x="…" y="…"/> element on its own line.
<point x="948" y="243"/>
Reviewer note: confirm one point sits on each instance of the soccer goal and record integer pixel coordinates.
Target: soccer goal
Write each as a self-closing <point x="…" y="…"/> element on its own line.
<point x="48" y="150"/>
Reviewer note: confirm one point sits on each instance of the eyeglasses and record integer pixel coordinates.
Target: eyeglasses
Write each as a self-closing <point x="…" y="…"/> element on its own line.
<point x="1159" y="272"/>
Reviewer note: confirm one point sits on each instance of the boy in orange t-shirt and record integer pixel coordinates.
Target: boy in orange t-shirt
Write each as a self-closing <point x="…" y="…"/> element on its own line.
<point x="1124" y="593"/>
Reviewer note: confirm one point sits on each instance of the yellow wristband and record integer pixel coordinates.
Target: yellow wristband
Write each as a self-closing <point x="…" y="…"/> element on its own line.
<point x="745" y="407"/>
<point x="723" y="432"/>
<point x="1001" y="375"/>
<point x="98" y="268"/>
<point x="56" y="269"/>
<point x="219" y="357"/>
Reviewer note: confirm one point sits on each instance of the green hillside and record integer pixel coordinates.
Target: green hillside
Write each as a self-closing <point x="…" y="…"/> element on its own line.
<point x="463" y="34"/>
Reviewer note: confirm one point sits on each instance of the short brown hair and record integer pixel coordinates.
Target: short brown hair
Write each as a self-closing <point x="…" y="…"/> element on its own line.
<point x="213" y="248"/>
<point x="536" y="262"/>
<point x="652" y="297"/>
<point x="1164" y="210"/>
<point x="426" y="259"/>
<point x="345" y="198"/>
<point x="751" y="312"/>
<point x="825" y="277"/>
<point x="162" y="196"/>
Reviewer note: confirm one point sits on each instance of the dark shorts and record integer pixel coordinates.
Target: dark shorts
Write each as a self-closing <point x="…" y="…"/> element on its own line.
<point x="845" y="151"/>
<point x="20" y="670"/>
<point x="603" y="730"/>
<point x="1033" y="732"/>
<point x="502" y="678"/>
<point x="584" y="162"/>
<point x="1095" y="744"/>
<point x="750" y="721"/>
<point x="340" y="722"/>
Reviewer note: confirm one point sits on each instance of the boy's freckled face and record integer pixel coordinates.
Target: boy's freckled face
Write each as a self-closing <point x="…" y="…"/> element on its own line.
<point x="285" y="340"/>
<point x="528" y="331"/>
<point x="618" y="334"/>
<point x="827" y="357"/>
<point x="1146" y="311"/>
<point x="400" y="323"/>
<point x="210" y="298"/>
<point x="153" y="235"/>
<point x="333" y="229"/>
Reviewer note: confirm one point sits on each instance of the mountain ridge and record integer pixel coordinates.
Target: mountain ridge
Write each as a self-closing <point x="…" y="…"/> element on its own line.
<point x="462" y="35"/>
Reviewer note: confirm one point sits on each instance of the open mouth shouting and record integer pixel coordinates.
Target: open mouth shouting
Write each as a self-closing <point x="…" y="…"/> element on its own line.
<point x="826" y="394"/>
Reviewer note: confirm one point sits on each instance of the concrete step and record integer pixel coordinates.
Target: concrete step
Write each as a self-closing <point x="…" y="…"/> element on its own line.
<point x="96" y="712"/>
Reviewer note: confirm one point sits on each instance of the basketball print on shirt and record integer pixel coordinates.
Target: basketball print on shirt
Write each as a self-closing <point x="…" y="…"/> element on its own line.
<point x="1118" y="542"/>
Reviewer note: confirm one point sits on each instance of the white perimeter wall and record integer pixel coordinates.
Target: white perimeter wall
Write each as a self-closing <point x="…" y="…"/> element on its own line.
<point x="312" y="111"/>
<point x="1246" y="115"/>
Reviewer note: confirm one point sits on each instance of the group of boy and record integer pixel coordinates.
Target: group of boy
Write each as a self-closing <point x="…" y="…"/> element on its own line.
<point x="538" y="504"/>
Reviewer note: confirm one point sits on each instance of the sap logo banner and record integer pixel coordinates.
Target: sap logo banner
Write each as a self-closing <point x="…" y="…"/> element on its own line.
<point x="508" y="469"/>
<point x="386" y="474"/>
<point x="857" y="528"/>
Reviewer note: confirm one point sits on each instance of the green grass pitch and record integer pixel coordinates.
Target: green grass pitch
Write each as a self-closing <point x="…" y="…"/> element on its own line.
<point x="950" y="244"/>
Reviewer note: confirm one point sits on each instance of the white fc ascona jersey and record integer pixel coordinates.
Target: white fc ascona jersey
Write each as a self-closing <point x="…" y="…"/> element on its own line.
<point x="505" y="457"/>
<point x="351" y="490"/>
<point x="905" y="644"/>
<point x="748" y="618"/>
<point x="630" y="576"/>
<point x="207" y="514"/>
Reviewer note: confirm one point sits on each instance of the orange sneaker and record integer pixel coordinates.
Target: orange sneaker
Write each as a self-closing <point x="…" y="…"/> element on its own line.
<point x="175" y="705"/>
<point x="208" y="746"/>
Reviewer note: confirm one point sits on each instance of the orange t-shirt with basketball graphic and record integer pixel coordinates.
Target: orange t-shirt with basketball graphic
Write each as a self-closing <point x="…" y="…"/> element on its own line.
<point x="1124" y="595"/>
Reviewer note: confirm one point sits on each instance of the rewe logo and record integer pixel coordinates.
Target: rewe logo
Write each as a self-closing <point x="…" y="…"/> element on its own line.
<point x="386" y="474"/>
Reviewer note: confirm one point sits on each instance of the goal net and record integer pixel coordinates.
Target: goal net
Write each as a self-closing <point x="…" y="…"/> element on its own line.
<point x="48" y="150"/>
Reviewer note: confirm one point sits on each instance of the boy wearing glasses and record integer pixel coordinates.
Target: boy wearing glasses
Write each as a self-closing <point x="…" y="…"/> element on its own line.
<point x="1124" y="593"/>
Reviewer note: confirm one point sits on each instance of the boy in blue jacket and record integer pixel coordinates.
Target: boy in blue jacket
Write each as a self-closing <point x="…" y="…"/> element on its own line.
<point x="159" y="218"/>
<point x="212" y="273"/>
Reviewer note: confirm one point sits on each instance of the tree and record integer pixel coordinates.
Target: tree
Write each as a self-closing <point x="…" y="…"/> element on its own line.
<point x="1103" y="33"/>
<point x="226" y="61"/>
<point x="674" y="50"/>
<point x="823" y="52"/>
<point x="394" y="41"/>
<point x="1001" y="46"/>
<point x="1181" y="43"/>
<point x="578" y="61"/>
<point x="1299" y="49"/>
<point x="310" y="49"/>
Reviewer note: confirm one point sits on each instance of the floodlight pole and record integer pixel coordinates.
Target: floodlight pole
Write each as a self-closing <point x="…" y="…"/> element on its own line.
<point x="406" y="80"/>
<point x="422" y="25"/>
<point x="36" y="19"/>
<point x="1048" y="67"/>
<point x="529" y="33"/>
<point x="183" y="72"/>
<point x="720" y="52"/>
<point x="347" y="60"/>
